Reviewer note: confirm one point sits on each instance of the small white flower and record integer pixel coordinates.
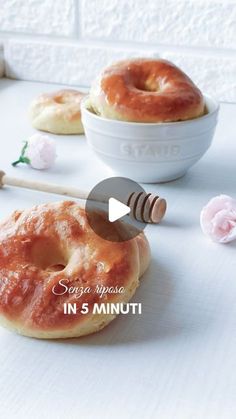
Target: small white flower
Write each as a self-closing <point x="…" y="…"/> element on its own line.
<point x="39" y="152"/>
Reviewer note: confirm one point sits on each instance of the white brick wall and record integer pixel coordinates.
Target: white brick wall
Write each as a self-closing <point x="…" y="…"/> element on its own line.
<point x="53" y="17"/>
<point x="69" y="41"/>
<point x="168" y="22"/>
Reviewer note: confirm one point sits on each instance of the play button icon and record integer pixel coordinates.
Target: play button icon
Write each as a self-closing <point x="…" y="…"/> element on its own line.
<point x="116" y="210"/>
<point x="108" y="211"/>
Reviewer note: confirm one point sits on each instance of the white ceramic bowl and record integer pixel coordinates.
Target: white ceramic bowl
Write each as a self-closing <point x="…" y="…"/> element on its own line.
<point x="147" y="152"/>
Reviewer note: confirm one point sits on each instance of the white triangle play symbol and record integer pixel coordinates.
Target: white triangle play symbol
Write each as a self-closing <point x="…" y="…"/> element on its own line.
<point x="116" y="209"/>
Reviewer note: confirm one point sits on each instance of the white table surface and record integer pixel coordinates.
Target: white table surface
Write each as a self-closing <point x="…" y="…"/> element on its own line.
<point x="175" y="361"/>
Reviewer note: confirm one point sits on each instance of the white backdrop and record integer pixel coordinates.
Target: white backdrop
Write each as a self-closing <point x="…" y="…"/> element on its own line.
<point x="69" y="41"/>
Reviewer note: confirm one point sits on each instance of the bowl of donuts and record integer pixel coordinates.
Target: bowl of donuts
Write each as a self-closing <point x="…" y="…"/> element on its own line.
<point x="147" y="120"/>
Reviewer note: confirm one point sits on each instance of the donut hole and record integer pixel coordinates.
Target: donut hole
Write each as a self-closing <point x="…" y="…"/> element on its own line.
<point x="56" y="268"/>
<point x="47" y="255"/>
<point x="64" y="99"/>
<point x="60" y="99"/>
<point x="148" y="85"/>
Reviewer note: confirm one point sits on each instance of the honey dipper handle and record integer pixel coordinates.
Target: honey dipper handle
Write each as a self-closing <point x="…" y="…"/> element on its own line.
<point x="155" y="208"/>
<point x="42" y="187"/>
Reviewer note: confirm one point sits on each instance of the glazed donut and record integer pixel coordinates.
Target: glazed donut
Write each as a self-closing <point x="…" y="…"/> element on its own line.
<point x="50" y="247"/>
<point x="145" y="90"/>
<point x="57" y="112"/>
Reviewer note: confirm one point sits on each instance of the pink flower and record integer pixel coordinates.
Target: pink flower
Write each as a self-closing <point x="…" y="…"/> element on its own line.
<point x="39" y="152"/>
<point x="218" y="219"/>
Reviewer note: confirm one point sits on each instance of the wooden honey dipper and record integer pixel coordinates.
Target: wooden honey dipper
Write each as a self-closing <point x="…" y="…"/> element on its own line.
<point x="148" y="208"/>
<point x="144" y="207"/>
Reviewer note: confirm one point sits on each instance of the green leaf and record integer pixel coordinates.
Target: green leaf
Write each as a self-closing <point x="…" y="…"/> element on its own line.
<point x="22" y="158"/>
<point x="25" y="160"/>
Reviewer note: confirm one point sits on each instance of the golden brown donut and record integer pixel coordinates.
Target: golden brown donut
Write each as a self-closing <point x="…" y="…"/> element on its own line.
<point x="53" y="242"/>
<point x="58" y="112"/>
<point x="146" y="90"/>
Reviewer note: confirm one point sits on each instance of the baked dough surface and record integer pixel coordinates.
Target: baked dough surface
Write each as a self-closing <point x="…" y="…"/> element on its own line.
<point x="58" y="112"/>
